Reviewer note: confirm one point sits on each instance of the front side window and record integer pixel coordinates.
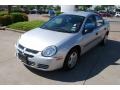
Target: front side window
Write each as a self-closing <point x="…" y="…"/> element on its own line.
<point x="99" y="21"/>
<point x="64" y="23"/>
<point x="91" y="20"/>
<point x="90" y="25"/>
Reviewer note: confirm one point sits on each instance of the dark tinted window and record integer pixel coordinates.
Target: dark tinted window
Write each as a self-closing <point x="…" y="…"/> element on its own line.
<point x="90" y="25"/>
<point x="91" y="19"/>
<point x="99" y="20"/>
<point x="64" y="23"/>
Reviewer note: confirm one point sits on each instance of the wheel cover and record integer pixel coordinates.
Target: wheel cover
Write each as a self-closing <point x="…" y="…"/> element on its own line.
<point x="72" y="60"/>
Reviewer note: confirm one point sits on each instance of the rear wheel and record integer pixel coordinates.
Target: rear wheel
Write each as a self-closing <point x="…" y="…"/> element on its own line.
<point x="71" y="59"/>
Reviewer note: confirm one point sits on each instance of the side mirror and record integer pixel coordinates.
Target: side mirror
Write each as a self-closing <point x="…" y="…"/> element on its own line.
<point x="89" y="27"/>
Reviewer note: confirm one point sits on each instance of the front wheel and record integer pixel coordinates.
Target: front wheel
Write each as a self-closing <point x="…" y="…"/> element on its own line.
<point x="71" y="59"/>
<point x="104" y="41"/>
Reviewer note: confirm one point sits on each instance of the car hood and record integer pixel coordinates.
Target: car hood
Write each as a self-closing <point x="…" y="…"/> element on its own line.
<point x="39" y="39"/>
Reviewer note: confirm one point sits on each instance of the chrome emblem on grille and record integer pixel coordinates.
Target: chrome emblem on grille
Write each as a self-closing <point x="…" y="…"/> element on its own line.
<point x="23" y="52"/>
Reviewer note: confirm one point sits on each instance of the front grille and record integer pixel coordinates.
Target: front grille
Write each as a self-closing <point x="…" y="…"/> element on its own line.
<point x="28" y="55"/>
<point x="31" y="51"/>
<point x="20" y="46"/>
<point x="31" y="63"/>
<point x="42" y="66"/>
<point x="23" y="50"/>
<point x="19" y="51"/>
<point x="27" y="49"/>
<point x="23" y="58"/>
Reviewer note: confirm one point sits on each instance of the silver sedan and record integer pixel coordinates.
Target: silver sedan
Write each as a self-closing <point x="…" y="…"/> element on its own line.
<point x="60" y="41"/>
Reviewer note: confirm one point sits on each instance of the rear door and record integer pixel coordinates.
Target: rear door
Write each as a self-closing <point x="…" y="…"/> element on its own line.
<point x="100" y="28"/>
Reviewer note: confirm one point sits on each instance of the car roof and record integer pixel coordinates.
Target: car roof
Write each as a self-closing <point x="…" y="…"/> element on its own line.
<point x="80" y="13"/>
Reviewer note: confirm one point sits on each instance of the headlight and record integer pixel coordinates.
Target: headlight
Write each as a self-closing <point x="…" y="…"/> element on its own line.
<point x="49" y="51"/>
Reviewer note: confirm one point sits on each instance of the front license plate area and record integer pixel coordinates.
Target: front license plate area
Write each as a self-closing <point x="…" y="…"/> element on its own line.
<point x="23" y="58"/>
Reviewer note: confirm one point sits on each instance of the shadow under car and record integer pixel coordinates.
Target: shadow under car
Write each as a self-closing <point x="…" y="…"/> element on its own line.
<point x="89" y="65"/>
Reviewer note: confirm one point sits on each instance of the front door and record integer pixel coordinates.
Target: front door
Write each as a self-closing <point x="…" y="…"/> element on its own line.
<point x="89" y="34"/>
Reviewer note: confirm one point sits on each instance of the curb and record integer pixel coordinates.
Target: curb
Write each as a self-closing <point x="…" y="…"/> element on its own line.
<point x="2" y="28"/>
<point x="14" y="30"/>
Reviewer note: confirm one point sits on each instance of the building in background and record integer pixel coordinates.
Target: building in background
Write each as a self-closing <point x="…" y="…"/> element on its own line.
<point x="67" y="8"/>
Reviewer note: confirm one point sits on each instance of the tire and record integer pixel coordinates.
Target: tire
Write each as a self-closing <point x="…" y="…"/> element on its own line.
<point x="71" y="59"/>
<point x="104" y="41"/>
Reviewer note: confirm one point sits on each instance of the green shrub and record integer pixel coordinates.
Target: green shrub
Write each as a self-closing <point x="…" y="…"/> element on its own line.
<point x="2" y="13"/>
<point x="1" y="20"/>
<point x="25" y="17"/>
<point x="16" y="10"/>
<point x="6" y="19"/>
<point x="58" y="13"/>
<point x="19" y="17"/>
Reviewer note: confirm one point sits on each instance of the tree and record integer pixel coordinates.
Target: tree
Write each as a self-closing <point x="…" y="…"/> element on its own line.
<point x="105" y="7"/>
<point x="57" y="8"/>
<point x="97" y="8"/>
<point x="9" y="9"/>
<point x="82" y="7"/>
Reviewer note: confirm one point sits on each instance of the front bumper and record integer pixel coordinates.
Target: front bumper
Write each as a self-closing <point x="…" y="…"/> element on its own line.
<point x="39" y="62"/>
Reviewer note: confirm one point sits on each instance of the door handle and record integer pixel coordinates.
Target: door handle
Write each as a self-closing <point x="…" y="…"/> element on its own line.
<point x="105" y="28"/>
<point x="96" y="33"/>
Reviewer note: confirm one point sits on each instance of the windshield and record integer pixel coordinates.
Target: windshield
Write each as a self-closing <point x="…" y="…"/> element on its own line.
<point x="64" y="23"/>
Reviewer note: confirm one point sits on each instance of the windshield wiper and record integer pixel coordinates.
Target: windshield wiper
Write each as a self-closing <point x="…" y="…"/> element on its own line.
<point x="58" y="29"/>
<point x="61" y="30"/>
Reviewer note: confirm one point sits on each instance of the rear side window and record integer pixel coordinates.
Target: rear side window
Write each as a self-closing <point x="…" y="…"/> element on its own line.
<point x="99" y="21"/>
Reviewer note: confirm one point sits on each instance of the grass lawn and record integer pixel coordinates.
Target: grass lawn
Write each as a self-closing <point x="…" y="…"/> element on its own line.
<point x="27" y="25"/>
